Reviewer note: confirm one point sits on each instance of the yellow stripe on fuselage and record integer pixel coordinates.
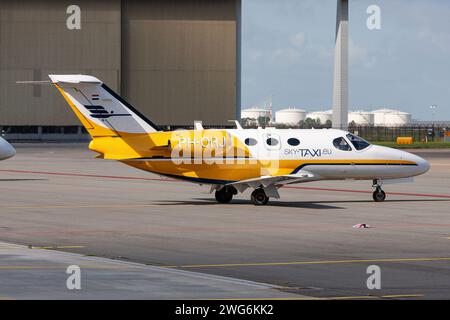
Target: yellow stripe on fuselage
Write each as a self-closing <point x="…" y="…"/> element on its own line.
<point x="235" y="170"/>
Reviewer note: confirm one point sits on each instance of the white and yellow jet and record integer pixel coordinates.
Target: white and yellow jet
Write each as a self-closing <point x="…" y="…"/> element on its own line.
<point x="231" y="161"/>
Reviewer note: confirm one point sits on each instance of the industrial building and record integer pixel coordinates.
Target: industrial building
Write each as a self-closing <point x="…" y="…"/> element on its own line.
<point x="175" y="60"/>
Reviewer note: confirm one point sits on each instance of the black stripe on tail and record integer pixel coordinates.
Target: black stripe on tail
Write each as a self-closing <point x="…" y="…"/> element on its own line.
<point x="140" y="115"/>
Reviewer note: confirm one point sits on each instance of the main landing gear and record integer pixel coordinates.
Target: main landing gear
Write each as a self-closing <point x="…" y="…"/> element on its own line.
<point x="259" y="197"/>
<point x="225" y="195"/>
<point x="378" y="195"/>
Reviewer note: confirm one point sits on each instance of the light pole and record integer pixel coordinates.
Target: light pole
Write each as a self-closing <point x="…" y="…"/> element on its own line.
<point x="433" y="108"/>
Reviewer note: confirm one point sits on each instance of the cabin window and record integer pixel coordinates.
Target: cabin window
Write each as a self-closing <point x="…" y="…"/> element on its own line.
<point x="251" y="142"/>
<point x="358" y="143"/>
<point x="341" y="144"/>
<point x="293" y="142"/>
<point x="272" y="142"/>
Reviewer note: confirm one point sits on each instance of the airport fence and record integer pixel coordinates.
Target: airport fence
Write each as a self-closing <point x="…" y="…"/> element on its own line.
<point x="420" y="133"/>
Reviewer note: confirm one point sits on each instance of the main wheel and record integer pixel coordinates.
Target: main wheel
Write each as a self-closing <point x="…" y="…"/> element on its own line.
<point x="224" y="195"/>
<point x="379" y="195"/>
<point x="259" y="197"/>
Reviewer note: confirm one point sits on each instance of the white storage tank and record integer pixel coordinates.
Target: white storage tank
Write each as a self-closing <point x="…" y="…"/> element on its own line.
<point x="255" y="113"/>
<point x="361" y="118"/>
<point x="397" y="118"/>
<point x="323" y="116"/>
<point x="379" y="116"/>
<point x="290" y="116"/>
<point x="391" y="117"/>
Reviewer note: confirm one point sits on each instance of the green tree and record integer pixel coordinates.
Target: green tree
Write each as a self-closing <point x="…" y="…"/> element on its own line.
<point x="311" y="123"/>
<point x="263" y="121"/>
<point x="352" y="124"/>
<point x="248" y="123"/>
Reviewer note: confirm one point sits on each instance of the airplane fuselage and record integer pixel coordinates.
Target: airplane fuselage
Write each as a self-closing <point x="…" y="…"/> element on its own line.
<point x="273" y="152"/>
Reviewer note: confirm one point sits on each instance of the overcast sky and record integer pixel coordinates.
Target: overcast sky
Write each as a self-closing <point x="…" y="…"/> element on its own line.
<point x="288" y="45"/>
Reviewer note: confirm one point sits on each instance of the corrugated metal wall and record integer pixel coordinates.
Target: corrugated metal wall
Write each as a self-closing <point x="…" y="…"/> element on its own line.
<point x="34" y="41"/>
<point x="179" y="59"/>
<point x="175" y="60"/>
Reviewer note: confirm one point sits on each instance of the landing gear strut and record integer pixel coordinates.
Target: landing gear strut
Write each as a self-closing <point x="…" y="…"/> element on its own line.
<point x="259" y="197"/>
<point x="225" y="195"/>
<point x="379" y="195"/>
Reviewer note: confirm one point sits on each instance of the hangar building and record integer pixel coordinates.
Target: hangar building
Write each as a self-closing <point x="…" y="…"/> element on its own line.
<point x="175" y="60"/>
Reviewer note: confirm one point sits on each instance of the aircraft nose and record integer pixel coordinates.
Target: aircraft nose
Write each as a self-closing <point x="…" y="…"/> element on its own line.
<point x="6" y="150"/>
<point x="422" y="164"/>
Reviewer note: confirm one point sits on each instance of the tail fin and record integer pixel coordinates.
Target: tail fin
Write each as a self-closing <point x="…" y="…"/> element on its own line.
<point x="101" y="111"/>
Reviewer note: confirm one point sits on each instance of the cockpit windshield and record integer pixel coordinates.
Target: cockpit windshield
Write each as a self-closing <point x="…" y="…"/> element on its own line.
<point x="358" y="143"/>
<point x="341" y="144"/>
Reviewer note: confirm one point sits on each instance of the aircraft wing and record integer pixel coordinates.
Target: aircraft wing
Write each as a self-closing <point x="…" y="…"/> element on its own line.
<point x="272" y="182"/>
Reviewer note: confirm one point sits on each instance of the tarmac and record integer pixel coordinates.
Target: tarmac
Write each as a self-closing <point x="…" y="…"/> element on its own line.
<point x="39" y="273"/>
<point x="150" y="237"/>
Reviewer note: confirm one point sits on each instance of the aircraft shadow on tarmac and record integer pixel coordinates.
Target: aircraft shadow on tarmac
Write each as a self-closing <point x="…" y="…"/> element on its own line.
<point x="290" y="204"/>
<point x="209" y="202"/>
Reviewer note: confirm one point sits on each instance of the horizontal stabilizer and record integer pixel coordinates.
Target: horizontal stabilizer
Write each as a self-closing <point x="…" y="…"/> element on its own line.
<point x="69" y="78"/>
<point x="41" y="82"/>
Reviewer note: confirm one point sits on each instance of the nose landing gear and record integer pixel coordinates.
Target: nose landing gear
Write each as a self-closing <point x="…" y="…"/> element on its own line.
<point x="379" y="195"/>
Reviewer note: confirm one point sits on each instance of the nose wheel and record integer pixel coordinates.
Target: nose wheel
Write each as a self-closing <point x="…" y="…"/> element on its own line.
<point x="259" y="197"/>
<point x="379" y="195"/>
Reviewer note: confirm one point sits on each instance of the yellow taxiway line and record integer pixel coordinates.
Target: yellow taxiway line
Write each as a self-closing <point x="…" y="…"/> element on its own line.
<point x="393" y="296"/>
<point x="299" y="263"/>
<point x="55" y="247"/>
<point x="389" y="296"/>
